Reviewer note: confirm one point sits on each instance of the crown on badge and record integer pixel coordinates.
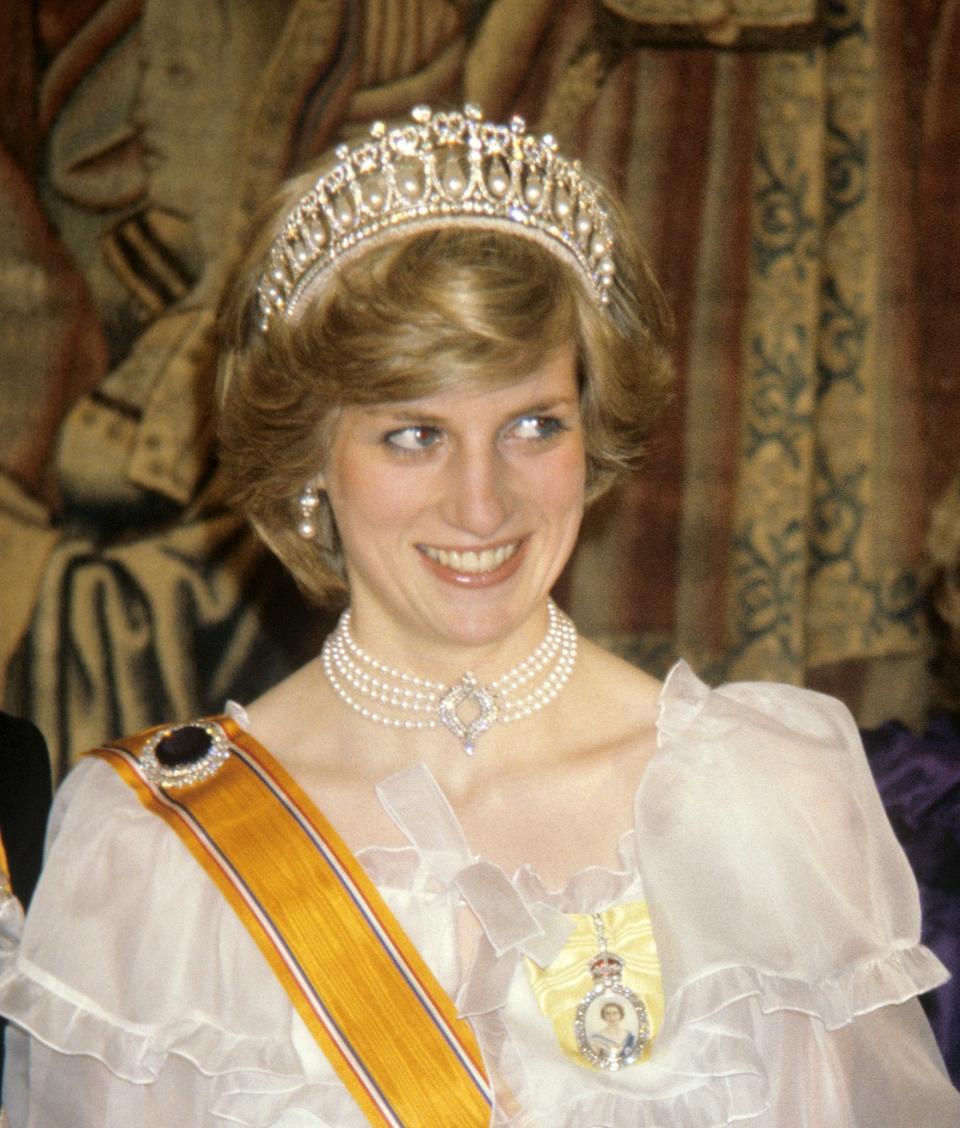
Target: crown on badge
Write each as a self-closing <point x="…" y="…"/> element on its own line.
<point x="606" y="966"/>
<point x="441" y="169"/>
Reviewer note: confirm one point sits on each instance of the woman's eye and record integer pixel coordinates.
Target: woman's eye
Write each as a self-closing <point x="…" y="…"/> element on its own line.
<point x="413" y="438"/>
<point x="538" y="427"/>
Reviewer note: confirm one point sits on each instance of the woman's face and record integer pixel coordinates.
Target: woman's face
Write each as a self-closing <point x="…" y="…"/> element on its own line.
<point x="457" y="512"/>
<point x="611" y="1014"/>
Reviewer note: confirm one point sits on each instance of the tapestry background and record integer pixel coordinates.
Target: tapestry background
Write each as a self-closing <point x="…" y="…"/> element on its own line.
<point x="793" y="170"/>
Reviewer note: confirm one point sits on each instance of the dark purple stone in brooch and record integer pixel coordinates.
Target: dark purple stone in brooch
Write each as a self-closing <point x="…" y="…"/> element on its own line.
<point x="184" y="755"/>
<point x="183" y="746"/>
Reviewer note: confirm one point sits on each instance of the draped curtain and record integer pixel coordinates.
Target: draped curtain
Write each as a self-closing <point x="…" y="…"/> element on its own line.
<point x="792" y="169"/>
<point x="779" y="531"/>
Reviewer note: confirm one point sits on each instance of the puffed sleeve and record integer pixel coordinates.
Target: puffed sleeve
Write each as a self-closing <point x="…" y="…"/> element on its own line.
<point x="786" y="915"/>
<point x="123" y="989"/>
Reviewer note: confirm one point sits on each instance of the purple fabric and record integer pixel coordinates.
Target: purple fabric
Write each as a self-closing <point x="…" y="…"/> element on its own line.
<point x="918" y="776"/>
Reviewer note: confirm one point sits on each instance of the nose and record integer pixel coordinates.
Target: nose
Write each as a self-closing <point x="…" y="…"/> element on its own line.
<point x="476" y="494"/>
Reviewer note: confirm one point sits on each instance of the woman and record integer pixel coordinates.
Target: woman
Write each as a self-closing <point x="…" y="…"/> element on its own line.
<point x="613" y="1039"/>
<point x="439" y="346"/>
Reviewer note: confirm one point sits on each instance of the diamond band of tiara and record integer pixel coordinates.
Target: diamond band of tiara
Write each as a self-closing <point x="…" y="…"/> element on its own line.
<point x="443" y="168"/>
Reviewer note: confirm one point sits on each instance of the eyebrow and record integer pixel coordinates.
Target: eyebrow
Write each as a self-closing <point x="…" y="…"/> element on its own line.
<point x="403" y="413"/>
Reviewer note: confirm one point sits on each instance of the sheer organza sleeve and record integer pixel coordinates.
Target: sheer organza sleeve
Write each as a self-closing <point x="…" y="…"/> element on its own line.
<point x="123" y="991"/>
<point x="786" y="915"/>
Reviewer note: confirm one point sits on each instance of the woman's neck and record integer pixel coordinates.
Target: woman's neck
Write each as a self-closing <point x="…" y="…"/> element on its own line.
<point x="464" y="704"/>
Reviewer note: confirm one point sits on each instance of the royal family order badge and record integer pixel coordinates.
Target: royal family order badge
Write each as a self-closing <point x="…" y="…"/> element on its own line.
<point x="612" y="1027"/>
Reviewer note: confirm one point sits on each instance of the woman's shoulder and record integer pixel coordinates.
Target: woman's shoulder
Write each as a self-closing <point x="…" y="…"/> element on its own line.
<point x="293" y="719"/>
<point x="767" y="787"/>
<point x="128" y="946"/>
<point x="780" y="759"/>
<point x="763" y="831"/>
<point x="763" y="717"/>
<point x="113" y="867"/>
<point x="91" y="800"/>
<point x="789" y="714"/>
<point x="104" y="847"/>
<point x="613" y="687"/>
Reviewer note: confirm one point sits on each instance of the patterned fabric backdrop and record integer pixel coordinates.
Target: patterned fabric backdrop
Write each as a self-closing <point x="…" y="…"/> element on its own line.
<point x="793" y="169"/>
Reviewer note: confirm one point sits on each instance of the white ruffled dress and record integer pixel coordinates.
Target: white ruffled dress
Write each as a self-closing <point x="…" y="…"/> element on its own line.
<point x="784" y="913"/>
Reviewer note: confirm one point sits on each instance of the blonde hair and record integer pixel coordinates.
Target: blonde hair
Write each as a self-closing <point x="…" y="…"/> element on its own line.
<point x="406" y="320"/>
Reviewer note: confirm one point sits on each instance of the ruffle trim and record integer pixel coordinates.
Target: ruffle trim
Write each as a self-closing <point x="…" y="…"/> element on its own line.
<point x="707" y="1071"/>
<point x="885" y="981"/>
<point x="254" y="1079"/>
<point x="588" y="890"/>
<point x="707" y="1074"/>
<point x="711" y="1077"/>
<point x="739" y="1096"/>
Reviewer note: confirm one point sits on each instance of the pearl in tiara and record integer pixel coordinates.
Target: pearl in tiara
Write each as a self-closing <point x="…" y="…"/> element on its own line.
<point x="442" y="169"/>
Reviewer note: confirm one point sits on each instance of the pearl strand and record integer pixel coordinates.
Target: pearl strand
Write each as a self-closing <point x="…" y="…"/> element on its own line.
<point x="372" y="688"/>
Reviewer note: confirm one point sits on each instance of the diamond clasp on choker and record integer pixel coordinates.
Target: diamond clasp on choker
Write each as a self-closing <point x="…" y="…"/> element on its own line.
<point x="398" y="699"/>
<point x="468" y="689"/>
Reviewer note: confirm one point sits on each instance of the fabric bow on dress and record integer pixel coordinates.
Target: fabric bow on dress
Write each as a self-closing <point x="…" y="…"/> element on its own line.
<point x="512" y="924"/>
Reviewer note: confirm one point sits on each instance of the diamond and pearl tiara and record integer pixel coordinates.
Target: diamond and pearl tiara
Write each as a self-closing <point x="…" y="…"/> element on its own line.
<point x="442" y="169"/>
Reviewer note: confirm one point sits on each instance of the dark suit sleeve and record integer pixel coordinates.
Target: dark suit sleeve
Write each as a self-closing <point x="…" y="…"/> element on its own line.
<point x="25" y="795"/>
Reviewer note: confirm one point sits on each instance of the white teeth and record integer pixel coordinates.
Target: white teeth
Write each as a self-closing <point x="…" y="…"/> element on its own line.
<point x="470" y="562"/>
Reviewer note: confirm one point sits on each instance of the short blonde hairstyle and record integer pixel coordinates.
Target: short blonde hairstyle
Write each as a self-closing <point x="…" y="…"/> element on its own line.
<point x="408" y="319"/>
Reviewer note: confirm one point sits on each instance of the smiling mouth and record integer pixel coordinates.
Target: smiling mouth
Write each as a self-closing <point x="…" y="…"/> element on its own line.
<point x="471" y="562"/>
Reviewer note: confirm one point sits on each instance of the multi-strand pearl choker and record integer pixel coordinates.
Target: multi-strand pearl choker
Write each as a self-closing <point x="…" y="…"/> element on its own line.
<point x="389" y="696"/>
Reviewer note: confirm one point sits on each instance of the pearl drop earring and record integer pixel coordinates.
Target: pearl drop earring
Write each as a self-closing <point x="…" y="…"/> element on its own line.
<point x="309" y="503"/>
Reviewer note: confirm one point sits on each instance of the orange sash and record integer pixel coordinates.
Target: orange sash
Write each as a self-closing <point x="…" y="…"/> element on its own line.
<point x="355" y="978"/>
